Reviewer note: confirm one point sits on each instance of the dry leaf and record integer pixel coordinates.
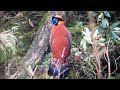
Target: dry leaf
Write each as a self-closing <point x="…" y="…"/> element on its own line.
<point x="31" y="23"/>
<point x="18" y="15"/>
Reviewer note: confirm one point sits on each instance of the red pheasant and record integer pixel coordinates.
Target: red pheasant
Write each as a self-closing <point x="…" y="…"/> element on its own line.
<point x="60" y="43"/>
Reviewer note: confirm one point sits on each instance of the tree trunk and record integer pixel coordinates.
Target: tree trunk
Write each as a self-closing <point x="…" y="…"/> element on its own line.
<point x="37" y="49"/>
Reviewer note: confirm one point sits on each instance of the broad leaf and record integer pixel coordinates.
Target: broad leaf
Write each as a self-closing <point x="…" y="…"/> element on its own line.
<point x="14" y="28"/>
<point x="115" y="24"/>
<point x="105" y="23"/>
<point x="99" y="29"/>
<point x="113" y="35"/>
<point x="74" y="49"/>
<point x="107" y="13"/>
<point x="117" y="28"/>
<point x="101" y="44"/>
<point x="101" y="39"/>
<point x="95" y="33"/>
<point x="87" y="35"/>
<point x="83" y="43"/>
<point x="31" y="23"/>
<point x="78" y="53"/>
<point x="100" y="17"/>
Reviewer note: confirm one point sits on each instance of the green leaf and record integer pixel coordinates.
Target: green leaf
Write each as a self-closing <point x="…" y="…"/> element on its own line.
<point x="107" y="13"/>
<point x="5" y="55"/>
<point x="79" y="24"/>
<point x="14" y="28"/>
<point x="101" y="39"/>
<point x="113" y="35"/>
<point x="74" y="49"/>
<point x="99" y="29"/>
<point x="83" y="43"/>
<point x="95" y="33"/>
<point x="115" y="24"/>
<point x="102" y="44"/>
<point x="95" y="14"/>
<point x="99" y="17"/>
<point x="87" y="35"/>
<point x="117" y="28"/>
<point x="78" y="53"/>
<point x="84" y="46"/>
<point x="105" y="23"/>
<point x="86" y="32"/>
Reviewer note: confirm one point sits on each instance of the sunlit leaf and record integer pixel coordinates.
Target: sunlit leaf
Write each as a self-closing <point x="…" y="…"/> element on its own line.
<point x="31" y="23"/>
<point x="86" y="32"/>
<point x="117" y="28"/>
<point x="82" y="41"/>
<point x="105" y="23"/>
<point x="88" y="40"/>
<point x="84" y="46"/>
<point x="78" y="53"/>
<point x="113" y="35"/>
<point x="102" y="44"/>
<point x="100" y="17"/>
<point x="87" y="59"/>
<point x="107" y="13"/>
<point x="95" y="33"/>
<point x="87" y="35"/>
<point x="15" y="28"/>
<point x="74" y="49"/>
<point x="19" y="14"/>
<point x="101" y="39"/>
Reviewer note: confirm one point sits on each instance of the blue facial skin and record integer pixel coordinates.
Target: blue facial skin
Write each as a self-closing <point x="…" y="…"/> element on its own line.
<point x="54" y="21"/>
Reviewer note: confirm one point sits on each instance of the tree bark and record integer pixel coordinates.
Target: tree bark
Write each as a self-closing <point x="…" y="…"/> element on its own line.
<point x="37" y="49"/>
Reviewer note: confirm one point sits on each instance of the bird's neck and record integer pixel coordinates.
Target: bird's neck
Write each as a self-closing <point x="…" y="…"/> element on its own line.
<point x="60" y="23"/>
<point x="58" y="26"/>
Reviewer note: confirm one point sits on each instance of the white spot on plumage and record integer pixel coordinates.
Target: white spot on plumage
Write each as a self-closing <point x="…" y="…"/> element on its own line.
<point x="62" y="55"/>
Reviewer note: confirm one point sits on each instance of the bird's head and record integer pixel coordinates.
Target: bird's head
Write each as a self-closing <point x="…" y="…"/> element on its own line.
<point x="56" y="19"/>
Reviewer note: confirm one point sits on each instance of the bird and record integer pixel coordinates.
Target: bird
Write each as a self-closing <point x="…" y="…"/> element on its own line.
<point x="60" y="45"/>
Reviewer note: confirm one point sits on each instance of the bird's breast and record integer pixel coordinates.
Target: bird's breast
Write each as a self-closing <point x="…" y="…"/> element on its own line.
<point x="60" y="46"/>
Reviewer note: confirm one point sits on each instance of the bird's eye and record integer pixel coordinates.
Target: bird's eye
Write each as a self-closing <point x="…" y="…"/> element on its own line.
<point x="55" y="21"/>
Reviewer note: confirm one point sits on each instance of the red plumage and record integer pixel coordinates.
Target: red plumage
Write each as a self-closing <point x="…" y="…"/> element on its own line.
<point x="60" y="43"/>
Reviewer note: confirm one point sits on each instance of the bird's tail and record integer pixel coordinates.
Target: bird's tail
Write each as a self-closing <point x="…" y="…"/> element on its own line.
<point x="60" y="70"/>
